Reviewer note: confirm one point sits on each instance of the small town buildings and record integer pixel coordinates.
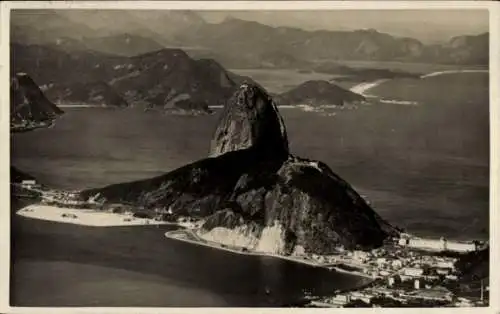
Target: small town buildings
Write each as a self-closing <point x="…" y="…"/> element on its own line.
<point x="445" y="264"/>
<point x="428" y="244"/>
<point x="431" y="277"/>
<point x="365" y="297"/>
<point x="436" y="294"/>
<point x="72" y="195"/>
<point x="361" y="256"/>
<point x="405" y="277"/>
<point x="397" y="263"/>
<point x="413" y="272"/>
<point x="443" y="271"/>
<point x="391" y="281"/>
<point x="463" y="302"/>
<point x="384" y="273"/>
<point x="403" y="241"/>
<point x="461" y="246"/>
<point x="416" y="284"/>
<point x="29" y="184"/>
<point x="441" y="244"/>
<point x="340" y="299"/>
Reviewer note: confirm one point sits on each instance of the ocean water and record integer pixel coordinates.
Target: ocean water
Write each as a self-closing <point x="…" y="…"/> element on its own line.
<point x="424" y="168"/>
<point x="57" y="264"/>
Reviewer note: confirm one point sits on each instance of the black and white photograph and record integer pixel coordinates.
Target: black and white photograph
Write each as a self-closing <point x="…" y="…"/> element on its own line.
<point x="249" y="158"/>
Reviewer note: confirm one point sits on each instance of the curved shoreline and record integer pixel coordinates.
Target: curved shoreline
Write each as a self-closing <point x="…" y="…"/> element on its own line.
<point x="438" y="73"/>
<point x="219" y="246"/>
<point x="365" y="86"/>
<point x="89" y="217"/>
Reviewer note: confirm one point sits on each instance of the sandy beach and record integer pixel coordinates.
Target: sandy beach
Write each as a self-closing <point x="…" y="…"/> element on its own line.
<point x="361" y="88"/>
<point x="84" y="217"/>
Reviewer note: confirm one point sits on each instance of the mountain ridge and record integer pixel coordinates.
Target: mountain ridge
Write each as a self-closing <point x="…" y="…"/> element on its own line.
<point x="345" y="45"/>
<point x="243" y="39"/>
<point x="163" y="79"/>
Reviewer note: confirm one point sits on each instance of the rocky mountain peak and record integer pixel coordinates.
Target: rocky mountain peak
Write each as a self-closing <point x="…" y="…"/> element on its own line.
<point x="252" y="189"/>
<point x="250" y="119"/>
<point x="27" y="101"/>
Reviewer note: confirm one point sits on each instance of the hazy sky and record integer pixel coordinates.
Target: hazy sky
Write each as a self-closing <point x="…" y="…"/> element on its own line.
<point x="426" y="25"/>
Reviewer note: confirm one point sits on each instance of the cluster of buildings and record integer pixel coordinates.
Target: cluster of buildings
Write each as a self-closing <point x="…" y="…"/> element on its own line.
<point x="406" y="256"/>
<point x="409" y="271"/>
<point x="18" y="125"/>
<point x="386" y="262"/>
<point x="30" y="184"/>
<point x="26" y="189"/>
<point x="439" y="245"/>
<point x="68" y="199"/>
<point x="382" y="296"/>
<point x="394" y="292"/>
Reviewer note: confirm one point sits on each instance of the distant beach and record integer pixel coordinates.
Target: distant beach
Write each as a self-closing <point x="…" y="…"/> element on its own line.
<point x="83" y="217"/>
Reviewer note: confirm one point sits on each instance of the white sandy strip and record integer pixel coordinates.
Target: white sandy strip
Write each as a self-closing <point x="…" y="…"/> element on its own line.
<point x="363" y="87"/>
<point x="453" y="71"/>
<point x="399" y="102"/>
<point x="84" y="217"/>
<point x="280" y="107"/>
<point x="79" y="106"/>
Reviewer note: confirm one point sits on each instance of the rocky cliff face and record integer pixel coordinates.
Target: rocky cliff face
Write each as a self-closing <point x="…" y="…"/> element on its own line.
<point x="28" y="103"/>
<point x="250" y="119"/>
<point x="253" y="187"/>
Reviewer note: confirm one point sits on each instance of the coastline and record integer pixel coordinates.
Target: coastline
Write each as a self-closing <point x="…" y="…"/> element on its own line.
<point x="185" y="232"/>
<point x="94" y="218"/>
<point x="216" y="245"/>
<point x="144" y="251"/>
<point x="84" y="217"/>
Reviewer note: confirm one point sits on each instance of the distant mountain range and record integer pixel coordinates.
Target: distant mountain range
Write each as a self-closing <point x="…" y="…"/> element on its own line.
<point x="46" y="26"/>
<point x="167" y="78"/>
<point x="251" y="39"/>
<point x="118" y="58"/>
<point x="233" y="41"/>
<point x="122" y="44"/>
